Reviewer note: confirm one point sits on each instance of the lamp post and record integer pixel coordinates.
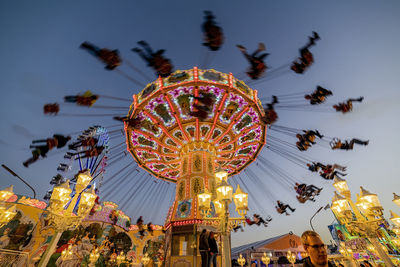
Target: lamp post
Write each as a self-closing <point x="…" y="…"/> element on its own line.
<point x="6" y="214"/>
<point x="61" y="210"/>
<point x="312" y="217"/>
<point x="224" y="194"/>
<point x="223" y="198"/>
<point x="367" y="211"/>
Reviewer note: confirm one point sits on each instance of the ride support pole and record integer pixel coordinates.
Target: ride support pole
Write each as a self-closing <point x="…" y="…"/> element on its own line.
<point x="50" y="249"/>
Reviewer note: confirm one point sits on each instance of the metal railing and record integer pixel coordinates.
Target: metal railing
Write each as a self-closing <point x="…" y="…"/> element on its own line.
<point x="13" y="258"/>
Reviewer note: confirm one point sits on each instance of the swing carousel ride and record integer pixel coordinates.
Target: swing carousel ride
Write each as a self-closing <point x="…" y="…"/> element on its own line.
<point x="186" y="124"/>
<point x="231" y="135"/>
<point x="177" y="147"/>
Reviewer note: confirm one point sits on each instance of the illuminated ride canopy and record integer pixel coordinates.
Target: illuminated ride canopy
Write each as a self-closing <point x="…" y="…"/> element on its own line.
<point x="175" y="146"/>
<point x="232" y="134"/>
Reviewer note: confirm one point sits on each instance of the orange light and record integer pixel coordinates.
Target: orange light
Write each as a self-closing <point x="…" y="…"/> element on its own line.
<point x="224" y="191"/>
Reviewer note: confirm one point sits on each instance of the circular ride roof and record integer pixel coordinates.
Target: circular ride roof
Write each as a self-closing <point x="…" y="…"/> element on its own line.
<point x="233" y="129"/>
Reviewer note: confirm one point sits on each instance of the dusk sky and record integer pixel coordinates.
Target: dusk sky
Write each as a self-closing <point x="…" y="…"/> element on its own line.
<point x="358" y="55"/>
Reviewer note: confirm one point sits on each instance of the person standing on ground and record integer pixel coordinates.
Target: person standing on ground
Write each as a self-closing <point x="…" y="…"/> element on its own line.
<point x="316" y="249"/>
<point x="204" y="248"/>
<point x="212" y="254"/>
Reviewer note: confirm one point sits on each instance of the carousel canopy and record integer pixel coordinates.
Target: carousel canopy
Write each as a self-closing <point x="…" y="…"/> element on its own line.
<point x="232" y="130"/>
